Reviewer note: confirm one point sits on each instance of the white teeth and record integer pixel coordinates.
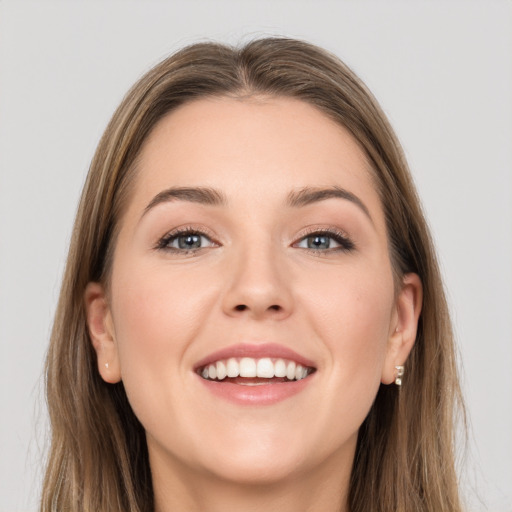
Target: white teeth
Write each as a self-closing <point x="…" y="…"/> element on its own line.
<point x="233" y="368"/>
<point x="247" y="367"/>
<point x="298" y="372"/>
<point x="264" y="368"/>
<point x="221" y="370"/>
<point x="280" y="368"/>
<point x="290" y="370"/>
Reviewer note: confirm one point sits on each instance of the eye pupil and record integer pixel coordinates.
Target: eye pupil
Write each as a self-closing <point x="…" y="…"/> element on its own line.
<point x="189" y="241"/>
<point x="319" y="242"/>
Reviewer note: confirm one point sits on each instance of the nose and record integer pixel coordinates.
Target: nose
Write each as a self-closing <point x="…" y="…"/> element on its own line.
<point x="258" y="286"/>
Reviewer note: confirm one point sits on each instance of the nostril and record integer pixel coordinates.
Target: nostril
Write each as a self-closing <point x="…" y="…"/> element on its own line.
<point x="244" y="307"/>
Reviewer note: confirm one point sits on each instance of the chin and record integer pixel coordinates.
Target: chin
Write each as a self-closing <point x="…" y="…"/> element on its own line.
<point x="254" y="469"/>
<point x="264" y="457"/>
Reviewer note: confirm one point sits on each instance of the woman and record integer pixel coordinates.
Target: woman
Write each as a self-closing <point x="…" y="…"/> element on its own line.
<point x="252" y="315"/>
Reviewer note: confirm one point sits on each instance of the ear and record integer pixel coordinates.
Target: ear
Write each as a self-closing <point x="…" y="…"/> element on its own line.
<point x="404" y="326"/>
<point x="101" y="331"/>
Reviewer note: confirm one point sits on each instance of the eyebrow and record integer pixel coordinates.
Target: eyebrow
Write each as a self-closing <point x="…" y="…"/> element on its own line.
<point x="201" y="195"/>
<point x="296" y="199"/>
<point x="309" y="195"/>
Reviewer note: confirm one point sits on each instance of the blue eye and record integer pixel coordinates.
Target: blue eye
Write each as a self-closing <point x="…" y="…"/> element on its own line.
<point x="185" y="241"/>
<point x="317" y="242"/>
<point x="325" y="241"/>
<point x="190" y="241"/>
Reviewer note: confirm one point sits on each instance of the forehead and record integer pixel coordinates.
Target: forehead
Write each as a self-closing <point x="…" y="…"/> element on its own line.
<point x="265" y="146"/>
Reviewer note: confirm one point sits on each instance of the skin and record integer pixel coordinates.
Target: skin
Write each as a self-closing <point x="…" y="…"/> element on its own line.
<point x="253" y="281"/>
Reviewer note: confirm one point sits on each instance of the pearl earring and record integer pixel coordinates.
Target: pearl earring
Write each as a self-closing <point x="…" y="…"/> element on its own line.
<point x="399" y="375"/>
<point x="106" y="366"/>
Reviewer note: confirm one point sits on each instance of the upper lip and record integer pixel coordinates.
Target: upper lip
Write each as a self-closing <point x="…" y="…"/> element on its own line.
<point x="256" y="351"/>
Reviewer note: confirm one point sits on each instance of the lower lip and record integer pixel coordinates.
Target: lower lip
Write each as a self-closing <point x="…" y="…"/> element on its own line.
<point x="262" y="394"/>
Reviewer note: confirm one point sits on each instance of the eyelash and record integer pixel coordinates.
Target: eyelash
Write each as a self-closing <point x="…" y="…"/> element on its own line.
<point x="164" y="242"/>
<point x="339" y="237"/>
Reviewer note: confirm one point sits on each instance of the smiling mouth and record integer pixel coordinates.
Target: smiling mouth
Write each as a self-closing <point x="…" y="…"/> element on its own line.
<point x="250" y="371"/>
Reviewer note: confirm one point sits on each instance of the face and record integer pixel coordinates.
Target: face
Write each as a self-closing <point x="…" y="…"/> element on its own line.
<point x="251" y="312"/>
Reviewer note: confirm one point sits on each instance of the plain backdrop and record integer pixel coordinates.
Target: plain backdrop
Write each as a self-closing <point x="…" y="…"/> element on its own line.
<point x="442" y="71"/>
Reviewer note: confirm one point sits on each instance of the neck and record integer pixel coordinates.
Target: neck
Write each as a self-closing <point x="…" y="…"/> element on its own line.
<point x="323" y="490"/>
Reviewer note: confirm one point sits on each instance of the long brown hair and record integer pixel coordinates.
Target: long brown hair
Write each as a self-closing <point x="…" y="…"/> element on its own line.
<point x="98" y="458"/>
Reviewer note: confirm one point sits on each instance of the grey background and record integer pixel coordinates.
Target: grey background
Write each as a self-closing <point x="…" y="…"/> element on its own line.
<point x="443" y="73"/>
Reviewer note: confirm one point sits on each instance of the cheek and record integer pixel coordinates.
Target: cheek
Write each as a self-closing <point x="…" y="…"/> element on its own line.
<point x="353" y="305"/>
<point x="156" y="306"/>
<point x="352" y="315"/>
<point x="156" y="316"/>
